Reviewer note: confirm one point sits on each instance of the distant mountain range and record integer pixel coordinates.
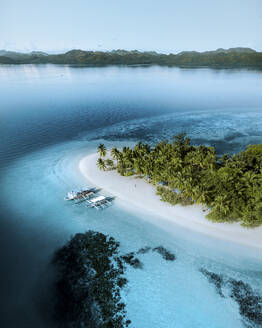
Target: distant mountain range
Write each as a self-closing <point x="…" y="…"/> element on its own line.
<point x="233" y="57"/>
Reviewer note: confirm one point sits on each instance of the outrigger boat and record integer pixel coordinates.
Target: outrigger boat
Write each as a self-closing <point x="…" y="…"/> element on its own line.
<point x="99" y="202"/>
<point x="81" y="195"/>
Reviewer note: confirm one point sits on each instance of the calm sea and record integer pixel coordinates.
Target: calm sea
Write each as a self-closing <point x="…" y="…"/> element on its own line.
<point x="50" y="116"/>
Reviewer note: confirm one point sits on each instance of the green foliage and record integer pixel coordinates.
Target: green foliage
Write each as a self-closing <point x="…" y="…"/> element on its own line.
<point x="229" y="187"/>
<point x="109" y="164"/>
<point x="101" y="164"/>
<point x="129" y="173"/>
<point x="172" y="197"/>
<point x="115" y="153"/>
<point x="101" y="149"/>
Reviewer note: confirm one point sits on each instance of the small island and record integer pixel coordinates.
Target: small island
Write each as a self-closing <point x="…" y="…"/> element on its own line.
<point x="228" y="187"/>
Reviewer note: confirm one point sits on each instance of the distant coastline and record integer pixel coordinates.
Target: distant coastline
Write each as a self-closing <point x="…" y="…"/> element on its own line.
<point x="221" y="58"/>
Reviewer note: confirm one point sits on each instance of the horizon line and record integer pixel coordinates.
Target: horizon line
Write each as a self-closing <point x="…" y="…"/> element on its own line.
<point x="57" y="52"/>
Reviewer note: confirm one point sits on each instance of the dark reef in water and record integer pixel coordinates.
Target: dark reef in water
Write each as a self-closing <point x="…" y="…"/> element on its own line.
<point x="130" y="259"/>
<point x="90" y="278"/>
<point x="249" y="302"/>
<point x="144" y="250"/>
<point x="215" y="279"/>
<point x="164" y="253"/>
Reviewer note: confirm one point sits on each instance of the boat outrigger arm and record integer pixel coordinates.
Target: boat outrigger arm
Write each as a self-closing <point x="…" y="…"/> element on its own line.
<point x="99" y="202"/>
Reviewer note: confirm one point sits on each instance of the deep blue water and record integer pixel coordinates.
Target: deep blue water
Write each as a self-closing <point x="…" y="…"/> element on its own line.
<point x="49" y="117"/>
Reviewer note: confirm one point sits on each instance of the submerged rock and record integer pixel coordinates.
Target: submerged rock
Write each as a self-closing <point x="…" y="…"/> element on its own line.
<point x="164" y="253"/>
<point x="250" y="303"/>
<point x="132" y="260"/>
<point x="144" y="250"/>
<point x="248" y="300"/>
<point x="215" y="279"/>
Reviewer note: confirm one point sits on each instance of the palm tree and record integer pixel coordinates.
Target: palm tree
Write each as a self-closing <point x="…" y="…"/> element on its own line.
<point x="101" y="164"/>
<point x="115" y="153"/>
<point x="139" y="166"/>
<point x="128" y="158"/>
<point x="101" y="150"/>
<point x="109" y="163"/>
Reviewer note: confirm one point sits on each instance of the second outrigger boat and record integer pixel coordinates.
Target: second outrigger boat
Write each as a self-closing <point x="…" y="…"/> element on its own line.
<point x="99" y="202"/>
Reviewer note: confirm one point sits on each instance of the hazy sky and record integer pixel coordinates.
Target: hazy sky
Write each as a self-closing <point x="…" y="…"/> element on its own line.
<point x="161" y="25"/>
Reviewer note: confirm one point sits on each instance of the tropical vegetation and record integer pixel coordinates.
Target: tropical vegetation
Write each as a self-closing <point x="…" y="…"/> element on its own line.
<point x="102" y="150"/>
<point x="228" y="187"/>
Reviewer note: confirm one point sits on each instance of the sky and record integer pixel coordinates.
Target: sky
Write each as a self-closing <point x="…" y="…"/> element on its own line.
<point x="160" y="25"/>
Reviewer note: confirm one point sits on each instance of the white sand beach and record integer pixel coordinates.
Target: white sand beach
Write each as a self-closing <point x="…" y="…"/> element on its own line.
<point x="139" y="194"/>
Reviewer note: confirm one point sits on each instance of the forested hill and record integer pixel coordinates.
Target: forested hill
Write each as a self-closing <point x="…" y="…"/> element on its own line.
<point x="224" y="58"/>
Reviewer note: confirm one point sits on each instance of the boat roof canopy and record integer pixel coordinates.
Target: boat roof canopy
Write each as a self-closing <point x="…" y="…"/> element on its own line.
<point x="97" y="199"/>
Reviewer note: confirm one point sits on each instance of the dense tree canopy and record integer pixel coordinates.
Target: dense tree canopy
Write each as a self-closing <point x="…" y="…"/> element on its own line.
<point x="229" y="187"/>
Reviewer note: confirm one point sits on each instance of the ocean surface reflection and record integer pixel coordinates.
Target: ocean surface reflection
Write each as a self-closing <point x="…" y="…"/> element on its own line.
<point x="50" y="116"/>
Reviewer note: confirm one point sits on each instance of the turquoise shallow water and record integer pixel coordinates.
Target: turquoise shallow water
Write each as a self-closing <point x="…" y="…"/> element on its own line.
<point x="51" y="117"/>
<point x="158" y="294"/>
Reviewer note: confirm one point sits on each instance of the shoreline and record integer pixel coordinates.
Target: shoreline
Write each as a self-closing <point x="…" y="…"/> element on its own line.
<point x="138" y="194"/>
